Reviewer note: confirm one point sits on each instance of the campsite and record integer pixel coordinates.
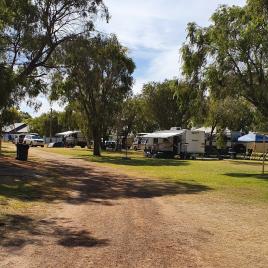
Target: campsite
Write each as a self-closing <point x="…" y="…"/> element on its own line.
<point x="133" y="134"/>
<point x="201" y="207"/>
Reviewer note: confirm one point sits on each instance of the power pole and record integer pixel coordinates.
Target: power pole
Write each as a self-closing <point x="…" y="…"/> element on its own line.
<point x="50" y="126"/>
<point x="264" y="153"/>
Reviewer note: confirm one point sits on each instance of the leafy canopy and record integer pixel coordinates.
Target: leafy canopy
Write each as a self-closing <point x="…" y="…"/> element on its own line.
<point x="230" y="57"/>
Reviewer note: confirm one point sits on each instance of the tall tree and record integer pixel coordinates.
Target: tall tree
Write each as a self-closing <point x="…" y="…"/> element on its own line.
<point x="170" y="103"/>
<point x="234" y="114"/>
<point x="99" y="78"/>
<point x="233" y="51"/>
<point x="30" y="32"/>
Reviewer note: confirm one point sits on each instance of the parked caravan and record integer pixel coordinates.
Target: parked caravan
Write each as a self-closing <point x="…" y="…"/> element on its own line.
<point x="73" y="138"/>
<point x="139" y="141"/>
<point x="230" y="138"/>
<point x="183" y="142"/>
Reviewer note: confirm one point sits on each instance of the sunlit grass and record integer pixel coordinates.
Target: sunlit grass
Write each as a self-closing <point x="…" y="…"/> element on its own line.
<point x="8" y="149"/>
<point x="238" y="179"/>
<point x="15" y="194"/>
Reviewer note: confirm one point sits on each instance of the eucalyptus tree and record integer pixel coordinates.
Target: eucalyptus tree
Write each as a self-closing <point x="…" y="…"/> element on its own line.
<point x="234" y="114"/>
<point x="230" y="57"/>
<point x="30" y="32"/>
<point x="98" y="78"/>
<point x="171" y="103"/>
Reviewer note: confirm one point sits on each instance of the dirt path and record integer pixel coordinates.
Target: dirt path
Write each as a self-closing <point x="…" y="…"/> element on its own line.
<point x="97" y="218"/>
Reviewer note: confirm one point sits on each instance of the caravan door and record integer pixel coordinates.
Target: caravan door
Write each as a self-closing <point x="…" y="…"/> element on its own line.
<point x="176" y="145"/>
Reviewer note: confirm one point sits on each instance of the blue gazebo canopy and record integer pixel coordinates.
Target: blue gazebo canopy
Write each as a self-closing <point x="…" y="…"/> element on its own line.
<point x="253" y="137"/>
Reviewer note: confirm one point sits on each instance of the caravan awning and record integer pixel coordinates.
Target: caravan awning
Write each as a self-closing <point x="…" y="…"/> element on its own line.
<point x="64" y="133"/>
<point x="163" y="135"/>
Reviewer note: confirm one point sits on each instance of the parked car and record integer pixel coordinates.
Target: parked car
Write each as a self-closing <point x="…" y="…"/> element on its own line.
<point x="34" y="140"/>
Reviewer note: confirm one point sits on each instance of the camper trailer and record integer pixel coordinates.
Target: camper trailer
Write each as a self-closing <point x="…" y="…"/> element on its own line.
<point x="168" y="143"/>
<point x="138" y="141"/>
<point x="230" y="137"/>
<point x="73" y="138"/>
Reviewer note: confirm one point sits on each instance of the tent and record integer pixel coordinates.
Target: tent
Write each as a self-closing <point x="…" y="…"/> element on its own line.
<point x="253" y="137"/>
<point x="255" y="142"/>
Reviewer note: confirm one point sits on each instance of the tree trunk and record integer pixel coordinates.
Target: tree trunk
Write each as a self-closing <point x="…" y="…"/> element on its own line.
<point x="97" y="143"/>
<point x="211" y="137"/>
<point x="0" y="139"/>
<point x="0" y="144"/>
<point x="96" y="150"/>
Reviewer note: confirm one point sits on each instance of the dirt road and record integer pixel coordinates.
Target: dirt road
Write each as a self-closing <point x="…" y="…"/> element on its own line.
<point x="97" y="218"/>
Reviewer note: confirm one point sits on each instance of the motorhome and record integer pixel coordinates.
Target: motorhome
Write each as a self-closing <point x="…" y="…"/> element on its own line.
<point x="183" y="142"/>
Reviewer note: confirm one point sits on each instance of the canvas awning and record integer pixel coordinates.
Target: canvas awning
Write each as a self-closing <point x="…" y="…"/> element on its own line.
<point x="253" y="137"/>
<point x="163" y="135"/>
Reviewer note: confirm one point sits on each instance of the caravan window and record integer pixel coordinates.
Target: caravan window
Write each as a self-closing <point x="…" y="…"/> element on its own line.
<point x="155" y="140"/>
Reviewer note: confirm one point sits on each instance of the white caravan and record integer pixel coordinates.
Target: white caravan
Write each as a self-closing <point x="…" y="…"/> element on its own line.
<point x="183" y="142"/>
<point x="73" y="138"/>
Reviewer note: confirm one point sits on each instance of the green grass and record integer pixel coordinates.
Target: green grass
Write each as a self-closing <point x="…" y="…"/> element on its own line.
<point x="236" y="179"/>
<point x="16" y="192"/>
<point x="8" y="149"/>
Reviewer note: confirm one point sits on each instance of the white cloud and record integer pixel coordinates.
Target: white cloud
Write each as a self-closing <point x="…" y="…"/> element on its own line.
<point x="154" y="30"/>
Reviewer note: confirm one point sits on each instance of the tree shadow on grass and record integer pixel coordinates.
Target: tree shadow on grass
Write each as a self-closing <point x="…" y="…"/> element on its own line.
<point x="255" y="163"/>
<point x="247" y="175"/>
<point x="60" y="181"/>
<point x="119" y="160"/>
<point x="17" y="231"/>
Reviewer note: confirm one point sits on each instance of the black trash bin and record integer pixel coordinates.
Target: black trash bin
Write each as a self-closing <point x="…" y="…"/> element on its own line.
<point x="22" y="152"/>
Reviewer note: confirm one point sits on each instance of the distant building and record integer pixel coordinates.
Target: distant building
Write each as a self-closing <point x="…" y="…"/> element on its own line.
<point x="17" y="128"/>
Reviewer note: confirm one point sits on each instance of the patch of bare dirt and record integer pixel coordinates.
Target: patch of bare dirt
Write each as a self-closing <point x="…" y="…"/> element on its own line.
<point x="98" y="218"/>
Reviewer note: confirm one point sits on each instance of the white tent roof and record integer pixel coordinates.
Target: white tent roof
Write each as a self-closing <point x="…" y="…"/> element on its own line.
<point x="64" y="133"/>
<point x="164" y="134"/>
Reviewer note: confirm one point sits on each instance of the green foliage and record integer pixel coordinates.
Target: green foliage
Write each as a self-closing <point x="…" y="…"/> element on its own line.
<point x="61" y="121"/>
<point x="135" y="116"/>
<point x="30" y="33"/>
<point x="170" y="103"/>
<point x="10" y="116"/>
<point x="234" y="114"/>
<point x="230" y="56"/>
<point x="99" y="78"/>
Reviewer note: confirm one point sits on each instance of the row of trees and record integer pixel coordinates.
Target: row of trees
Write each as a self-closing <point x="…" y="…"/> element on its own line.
<point x="31" y="34"/>
<point x="224" y="69"/>
<point x="228" y="61"/>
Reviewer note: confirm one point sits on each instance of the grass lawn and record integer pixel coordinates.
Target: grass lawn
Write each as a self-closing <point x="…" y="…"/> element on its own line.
<point x="238" y="180"/>
<point x="20" y="186"/>
<point x="8" y="149"/>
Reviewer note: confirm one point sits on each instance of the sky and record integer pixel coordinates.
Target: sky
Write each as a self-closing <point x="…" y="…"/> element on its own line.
<point x="153" y="31"/>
